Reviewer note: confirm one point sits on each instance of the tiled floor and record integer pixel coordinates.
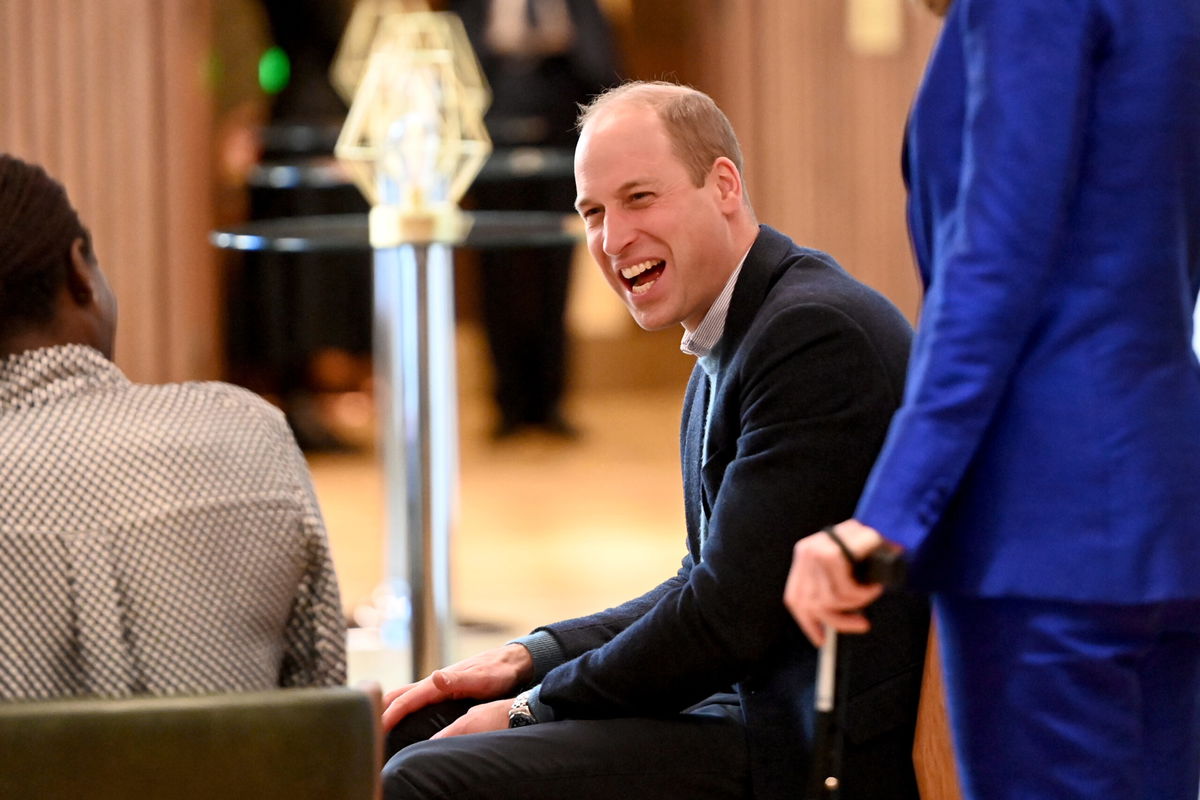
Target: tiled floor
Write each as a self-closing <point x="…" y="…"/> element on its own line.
<point x="548" y="529"/>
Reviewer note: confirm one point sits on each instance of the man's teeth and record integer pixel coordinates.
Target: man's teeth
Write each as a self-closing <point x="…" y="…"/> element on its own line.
<point x="642" y="288"/>
<point x="629" y="273"/>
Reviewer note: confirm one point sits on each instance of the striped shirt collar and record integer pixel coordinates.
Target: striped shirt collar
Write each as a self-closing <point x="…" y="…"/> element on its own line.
<point x="701" y="341"/>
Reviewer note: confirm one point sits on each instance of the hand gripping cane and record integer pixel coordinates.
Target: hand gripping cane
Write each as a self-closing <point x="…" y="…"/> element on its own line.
<point x="883" y="565"/>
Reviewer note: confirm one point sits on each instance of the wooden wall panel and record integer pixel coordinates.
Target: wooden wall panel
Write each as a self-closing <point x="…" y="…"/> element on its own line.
<point x="93" y="194"/>
<point x="43" y="105"/>
<point x="194" y="345"/>
<point x="137" y="184"/>
<point x="72" y="121"/>
<point x="821" y="125"/>
<point x="933" y="753"/>
<point x="18" y="73"/>
<point x="108" y="95"/>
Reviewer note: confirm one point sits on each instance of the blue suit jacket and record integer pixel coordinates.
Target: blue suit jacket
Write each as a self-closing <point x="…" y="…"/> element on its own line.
<point x="811" y="368"/>
<point x="1049" y="442"/>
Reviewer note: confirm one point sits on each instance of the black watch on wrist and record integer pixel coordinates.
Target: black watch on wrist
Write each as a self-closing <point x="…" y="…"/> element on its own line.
<point x="520" y="715"/>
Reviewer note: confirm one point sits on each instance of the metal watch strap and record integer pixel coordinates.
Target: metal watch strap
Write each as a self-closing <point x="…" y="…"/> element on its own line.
<point x="520" y="715"/>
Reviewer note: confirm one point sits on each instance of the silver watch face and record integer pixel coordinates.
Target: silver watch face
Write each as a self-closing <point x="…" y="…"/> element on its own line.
<point x="520" y="715"/>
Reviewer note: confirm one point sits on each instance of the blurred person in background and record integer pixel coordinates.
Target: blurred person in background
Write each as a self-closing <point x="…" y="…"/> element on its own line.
<point x="541" y="58"/>
<point x="298" y="324"/>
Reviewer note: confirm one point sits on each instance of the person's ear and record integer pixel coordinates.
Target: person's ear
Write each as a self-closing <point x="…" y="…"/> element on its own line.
<point x="728" y="182"/>
<point x="79" y="273"/>
<point x="939" y="7"/>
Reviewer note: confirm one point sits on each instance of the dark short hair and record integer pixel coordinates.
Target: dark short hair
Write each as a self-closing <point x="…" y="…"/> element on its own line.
<point x="699" y="131"/>
<point x="37" y="226"/>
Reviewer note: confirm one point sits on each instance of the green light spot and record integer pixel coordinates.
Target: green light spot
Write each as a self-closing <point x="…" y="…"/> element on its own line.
<point x="274" y="70"/>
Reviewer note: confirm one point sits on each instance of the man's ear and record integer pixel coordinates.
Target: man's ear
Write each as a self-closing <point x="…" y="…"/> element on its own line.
<point x="939" y="7"/>
<point x="728" y="182"/>
<point x="79" y="273"/>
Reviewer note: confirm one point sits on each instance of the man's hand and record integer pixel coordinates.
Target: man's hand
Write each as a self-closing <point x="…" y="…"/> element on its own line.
<point x="820" y="589"/>
<point x="479" y="719"/>
<point x="490" y="674"/>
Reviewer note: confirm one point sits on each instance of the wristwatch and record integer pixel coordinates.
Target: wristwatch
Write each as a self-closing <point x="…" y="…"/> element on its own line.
<point x="520" y="715"/>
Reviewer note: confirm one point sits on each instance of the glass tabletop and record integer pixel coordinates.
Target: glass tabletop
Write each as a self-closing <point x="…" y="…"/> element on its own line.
<point x="348" y="232"/>
<point x="326" y="172"/>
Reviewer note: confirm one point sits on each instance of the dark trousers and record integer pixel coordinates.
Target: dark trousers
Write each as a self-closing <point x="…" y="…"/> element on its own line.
<point x="524" y="304"/>
<point x="699" y="754"/>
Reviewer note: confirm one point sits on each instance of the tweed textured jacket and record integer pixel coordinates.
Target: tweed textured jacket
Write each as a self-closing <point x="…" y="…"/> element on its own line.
<point x="155" y="539"/>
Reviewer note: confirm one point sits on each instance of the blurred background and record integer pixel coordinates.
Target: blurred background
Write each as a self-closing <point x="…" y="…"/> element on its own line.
<point x="164" y="117"/>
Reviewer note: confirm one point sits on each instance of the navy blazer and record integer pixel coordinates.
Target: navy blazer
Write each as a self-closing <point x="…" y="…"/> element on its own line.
<point x="811" y="368"/>
<point x="1049" y="442"/>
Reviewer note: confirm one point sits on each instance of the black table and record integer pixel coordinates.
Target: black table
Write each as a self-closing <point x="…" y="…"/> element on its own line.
<point x="348" y="232"/>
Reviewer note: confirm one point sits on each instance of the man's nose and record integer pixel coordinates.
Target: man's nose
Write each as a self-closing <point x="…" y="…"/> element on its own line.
<point x="618" y="233"/>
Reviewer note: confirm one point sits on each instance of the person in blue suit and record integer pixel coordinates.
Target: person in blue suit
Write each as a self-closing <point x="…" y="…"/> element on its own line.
<point x="1043" y="472"/>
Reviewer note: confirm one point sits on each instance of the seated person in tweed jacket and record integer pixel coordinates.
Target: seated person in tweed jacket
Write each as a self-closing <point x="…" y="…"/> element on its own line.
<point x="153" y="539"/>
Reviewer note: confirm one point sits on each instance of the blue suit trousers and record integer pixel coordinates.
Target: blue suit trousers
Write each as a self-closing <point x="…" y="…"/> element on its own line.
<point x="1061" y="700"/>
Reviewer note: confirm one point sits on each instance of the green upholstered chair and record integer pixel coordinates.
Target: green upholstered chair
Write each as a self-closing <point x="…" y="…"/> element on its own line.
<point x="293" y="744"/>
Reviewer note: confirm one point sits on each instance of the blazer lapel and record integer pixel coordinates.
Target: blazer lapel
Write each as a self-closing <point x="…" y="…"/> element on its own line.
<point x="692" y="446"/>
<point x="759" y="272"/>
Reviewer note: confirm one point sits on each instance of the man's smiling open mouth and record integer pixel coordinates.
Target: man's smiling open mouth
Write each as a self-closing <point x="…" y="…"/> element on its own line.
<point x="640" y="277"/>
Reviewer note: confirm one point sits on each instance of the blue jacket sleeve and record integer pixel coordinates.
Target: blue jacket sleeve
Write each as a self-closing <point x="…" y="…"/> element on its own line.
<point x="1027" y="83"/>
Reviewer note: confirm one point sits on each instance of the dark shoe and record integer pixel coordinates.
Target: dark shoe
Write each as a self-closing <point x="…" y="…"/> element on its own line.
<point x="311" y="433"/>
<point x="558" y="426"/>
<point x="505" y="429"/>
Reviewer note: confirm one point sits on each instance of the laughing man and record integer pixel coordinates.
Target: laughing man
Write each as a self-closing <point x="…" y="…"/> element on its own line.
<point x="702" y="687"/>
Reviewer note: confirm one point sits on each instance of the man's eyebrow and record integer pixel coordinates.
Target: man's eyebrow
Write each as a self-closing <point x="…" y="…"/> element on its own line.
<point x="627" y="185"/>
<point x="580" y="202"/>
